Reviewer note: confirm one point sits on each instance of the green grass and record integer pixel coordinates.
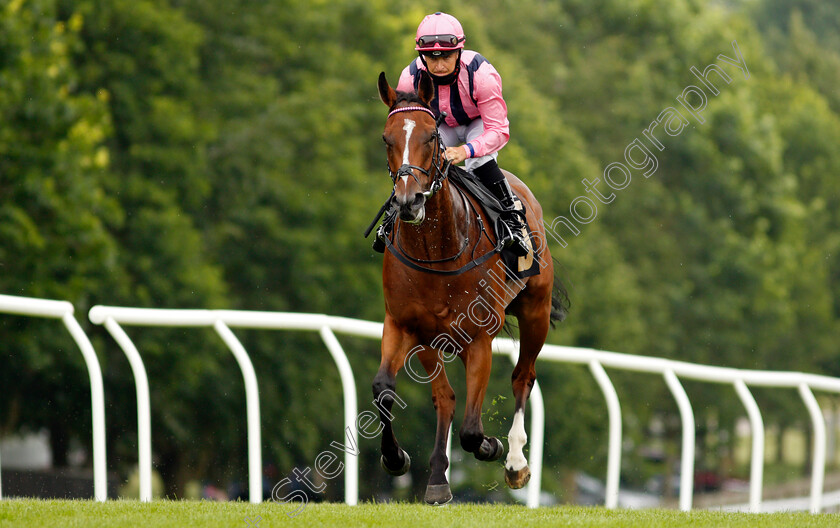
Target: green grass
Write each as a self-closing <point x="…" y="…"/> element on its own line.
<point x="70" y="514"/>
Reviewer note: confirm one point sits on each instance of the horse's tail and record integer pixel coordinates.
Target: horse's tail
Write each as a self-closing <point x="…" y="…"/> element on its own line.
<point x="560" y="302"/>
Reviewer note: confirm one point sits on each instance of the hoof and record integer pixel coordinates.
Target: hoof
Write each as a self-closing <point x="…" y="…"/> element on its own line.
<point x="491" y="450"/>
<point x="399" y="471"/>
<point x="438" y="494"/>
<point x="517" y="479"/>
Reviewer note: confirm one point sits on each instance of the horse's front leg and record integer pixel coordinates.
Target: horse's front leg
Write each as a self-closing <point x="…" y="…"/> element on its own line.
<point x="395" y="346"/>
<point x="443" y="398"/>
<point x="477" y="362"/>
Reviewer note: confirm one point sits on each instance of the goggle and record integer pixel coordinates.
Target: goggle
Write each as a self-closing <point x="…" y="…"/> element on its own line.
<point x="445" y="41"/>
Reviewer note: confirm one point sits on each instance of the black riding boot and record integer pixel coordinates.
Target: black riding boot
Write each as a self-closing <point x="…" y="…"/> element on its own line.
<point x="491" y="176"/>
<point x="384" y="230"/>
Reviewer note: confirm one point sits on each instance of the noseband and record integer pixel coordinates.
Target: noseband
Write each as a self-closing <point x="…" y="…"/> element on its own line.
<point x="408" y="170"/>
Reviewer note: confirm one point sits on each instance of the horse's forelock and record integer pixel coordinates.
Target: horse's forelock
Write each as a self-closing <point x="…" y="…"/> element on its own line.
<point x="409" y="97"/>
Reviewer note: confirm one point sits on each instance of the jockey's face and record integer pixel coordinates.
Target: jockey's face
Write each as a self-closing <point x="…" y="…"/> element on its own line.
<point x="443" y="65"/>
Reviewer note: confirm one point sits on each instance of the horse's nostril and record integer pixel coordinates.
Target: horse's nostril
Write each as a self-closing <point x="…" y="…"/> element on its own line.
<point x="419" y="199"/>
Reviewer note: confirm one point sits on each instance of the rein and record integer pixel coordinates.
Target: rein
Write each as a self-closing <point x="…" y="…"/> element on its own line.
<point x="412" y="262"/>
<point x="441" y="174"/>
<point x="468" y="266"/>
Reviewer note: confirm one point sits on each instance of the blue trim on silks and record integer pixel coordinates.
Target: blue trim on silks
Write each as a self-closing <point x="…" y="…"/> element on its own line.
<point x="414" y="71"/>
<point x="457" y="107"/>
<point x="433" y="104"/>
<point x="472" y="67"/>
<point x="472" y="150"/>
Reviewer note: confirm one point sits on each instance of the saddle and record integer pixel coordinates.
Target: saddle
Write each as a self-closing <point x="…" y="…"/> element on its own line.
<point x="515" y="267"/>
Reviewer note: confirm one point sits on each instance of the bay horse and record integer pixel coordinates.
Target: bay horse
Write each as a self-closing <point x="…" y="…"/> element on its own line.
<point x="442" y="302"/>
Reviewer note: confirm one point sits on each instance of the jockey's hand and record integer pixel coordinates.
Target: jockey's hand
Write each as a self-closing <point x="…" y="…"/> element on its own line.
<point x="456" y="154"/>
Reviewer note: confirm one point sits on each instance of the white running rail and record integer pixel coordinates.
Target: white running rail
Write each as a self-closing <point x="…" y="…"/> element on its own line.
<point x="112" y="317"/>
<point x="63" y="310"/>
<point x="672" y="370"/>
<point x="221" y="320"/>
<point x="328" y="326"/>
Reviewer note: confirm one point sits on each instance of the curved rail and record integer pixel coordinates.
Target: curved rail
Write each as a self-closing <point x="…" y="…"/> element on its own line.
<point x="63" y="310"/>
<point x="327" y="326"/>
<point x="221" y="321"/>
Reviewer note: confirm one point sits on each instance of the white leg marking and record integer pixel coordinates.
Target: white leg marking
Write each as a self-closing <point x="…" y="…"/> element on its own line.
<point x="517" y="439"/>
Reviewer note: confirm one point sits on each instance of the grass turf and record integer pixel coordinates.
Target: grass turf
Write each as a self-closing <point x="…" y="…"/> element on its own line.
<point x="71" y="514"/>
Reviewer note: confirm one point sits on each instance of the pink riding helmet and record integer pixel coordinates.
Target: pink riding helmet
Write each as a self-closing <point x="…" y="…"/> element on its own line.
<point x="439" y="31"/>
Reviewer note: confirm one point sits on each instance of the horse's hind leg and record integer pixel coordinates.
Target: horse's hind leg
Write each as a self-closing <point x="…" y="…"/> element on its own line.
<point x="443" y="398"/>
<point x="517" y="472"/>
<point x="533" y="317"/>
<point x="395" y="347"/>
<point x="477" y="362"/>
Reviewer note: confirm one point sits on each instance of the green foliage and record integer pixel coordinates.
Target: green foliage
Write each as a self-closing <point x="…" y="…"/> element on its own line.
<point x="206" y="154"/>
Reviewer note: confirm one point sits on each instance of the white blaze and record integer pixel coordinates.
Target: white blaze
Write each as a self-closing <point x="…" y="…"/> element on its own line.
<point x="408" y="127"/>
<point x="517" y="438"/>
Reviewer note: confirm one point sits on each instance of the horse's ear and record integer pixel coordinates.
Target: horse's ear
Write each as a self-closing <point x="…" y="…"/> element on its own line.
<point x="386" y="93"/>
<point x="426" y="90"/>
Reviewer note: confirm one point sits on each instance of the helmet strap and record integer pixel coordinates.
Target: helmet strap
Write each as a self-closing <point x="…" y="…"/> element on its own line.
<point x="446" y="79"/>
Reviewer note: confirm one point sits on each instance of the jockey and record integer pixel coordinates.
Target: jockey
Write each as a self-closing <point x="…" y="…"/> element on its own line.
<point x="469" y="90"/>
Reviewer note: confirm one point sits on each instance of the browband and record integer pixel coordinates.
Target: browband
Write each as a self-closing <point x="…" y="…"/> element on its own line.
<point x="412" y="109"/>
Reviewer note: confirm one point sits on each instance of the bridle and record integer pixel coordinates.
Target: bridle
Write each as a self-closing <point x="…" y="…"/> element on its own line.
<point x="408" y="170"/>
<point x="441" y="173"/>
